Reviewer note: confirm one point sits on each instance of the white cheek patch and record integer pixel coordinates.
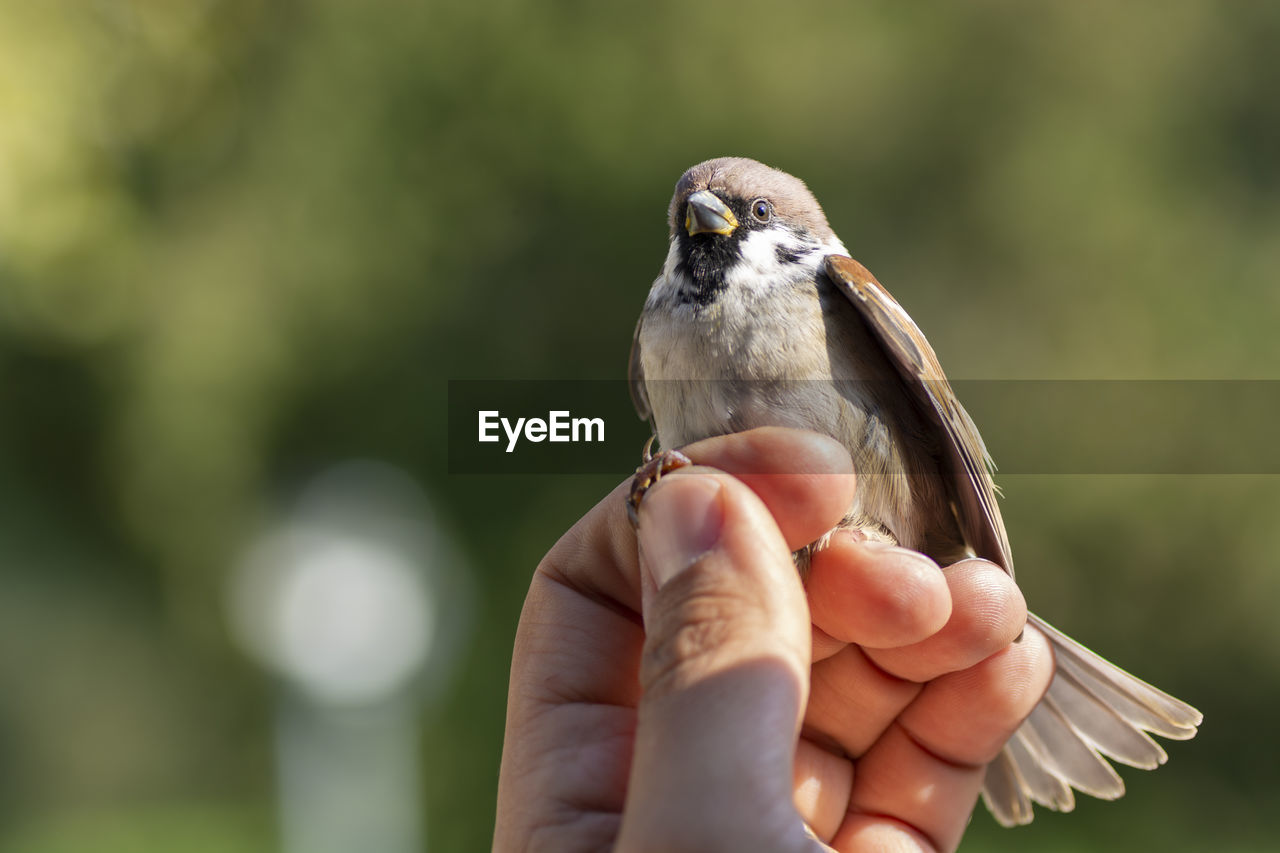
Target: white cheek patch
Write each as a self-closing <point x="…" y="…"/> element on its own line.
<point x="673" y="259"/>
<point x="671" y="282"/>
<point x="763" y="267"/>
<point x="760" y="250"/>
<point x="757" y="271"/>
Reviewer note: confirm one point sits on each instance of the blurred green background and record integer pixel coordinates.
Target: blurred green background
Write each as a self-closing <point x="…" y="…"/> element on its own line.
<point x="241" y="240"/>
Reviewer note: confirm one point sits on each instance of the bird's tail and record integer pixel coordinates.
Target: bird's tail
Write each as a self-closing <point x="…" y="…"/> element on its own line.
<point x="1092" y="709"/>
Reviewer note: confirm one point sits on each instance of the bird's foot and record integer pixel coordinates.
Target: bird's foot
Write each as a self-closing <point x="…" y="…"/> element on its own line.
<point x="649" y="473"/>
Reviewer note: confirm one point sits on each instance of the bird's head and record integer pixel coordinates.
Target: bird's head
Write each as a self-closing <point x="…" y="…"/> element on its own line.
<point x="736" y="221"/>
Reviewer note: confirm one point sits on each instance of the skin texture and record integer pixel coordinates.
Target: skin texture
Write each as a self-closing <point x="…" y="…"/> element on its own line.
<point x="698" y="697"/>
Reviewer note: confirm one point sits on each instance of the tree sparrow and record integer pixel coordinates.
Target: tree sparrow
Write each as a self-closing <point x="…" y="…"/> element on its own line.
<point x="759" y="317"/>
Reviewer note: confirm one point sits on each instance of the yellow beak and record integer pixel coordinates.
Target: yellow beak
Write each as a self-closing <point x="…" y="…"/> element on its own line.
<point x="707" y="214"/>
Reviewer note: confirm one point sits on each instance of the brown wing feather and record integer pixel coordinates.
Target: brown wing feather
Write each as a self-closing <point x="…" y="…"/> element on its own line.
<point x="970" y="466"/>
<point x="635" y="375"/>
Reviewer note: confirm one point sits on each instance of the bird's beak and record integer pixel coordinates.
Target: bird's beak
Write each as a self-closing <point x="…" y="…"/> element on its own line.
<point x="707" y="214"/>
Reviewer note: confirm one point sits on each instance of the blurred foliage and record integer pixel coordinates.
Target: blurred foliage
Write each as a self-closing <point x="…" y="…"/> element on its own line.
<point x="240" y="240"/>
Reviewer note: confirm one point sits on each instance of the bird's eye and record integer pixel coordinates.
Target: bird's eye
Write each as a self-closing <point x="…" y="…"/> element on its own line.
<point x="760" y="209"/>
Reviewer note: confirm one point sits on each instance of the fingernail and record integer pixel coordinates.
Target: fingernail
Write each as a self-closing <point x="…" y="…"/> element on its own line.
<point x="680" y="521"/>
<point x="887" y="548"/>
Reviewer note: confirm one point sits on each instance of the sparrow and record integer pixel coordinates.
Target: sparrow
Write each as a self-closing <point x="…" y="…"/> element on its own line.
<point x="761" y="318"/>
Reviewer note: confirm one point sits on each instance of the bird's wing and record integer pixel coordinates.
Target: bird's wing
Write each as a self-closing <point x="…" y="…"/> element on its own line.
<point x="1092" y="707"/>
<point x="966" y="456"/>
<point x="635" y="375"/>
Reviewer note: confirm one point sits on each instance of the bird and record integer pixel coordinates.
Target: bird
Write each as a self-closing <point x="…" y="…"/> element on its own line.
<point x="760" y="317"/>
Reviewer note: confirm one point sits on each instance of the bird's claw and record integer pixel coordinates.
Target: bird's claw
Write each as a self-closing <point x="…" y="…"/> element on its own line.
<point x="653" y="470"/>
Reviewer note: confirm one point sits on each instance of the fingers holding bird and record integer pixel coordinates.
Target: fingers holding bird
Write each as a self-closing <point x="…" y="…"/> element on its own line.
<point x="923" y="715"/>
<point x="974" y="611"/>
<point x="883" y="616"/>
<point x="805" y="479"/>
<point x="914" y="678"/>
<point x="987" y="614"/>
<point x="926" y="770"/>
<point x="875" y="595"/>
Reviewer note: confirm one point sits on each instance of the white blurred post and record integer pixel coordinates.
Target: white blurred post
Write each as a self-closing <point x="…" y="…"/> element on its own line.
<point x="339" y="601"/>
<point x="348" y="782"/>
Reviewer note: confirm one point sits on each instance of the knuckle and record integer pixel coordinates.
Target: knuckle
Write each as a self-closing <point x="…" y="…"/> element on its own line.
<point x="1001" y="691"/>
<point x="1004" y="688"/>
<point x="706" y="629"/>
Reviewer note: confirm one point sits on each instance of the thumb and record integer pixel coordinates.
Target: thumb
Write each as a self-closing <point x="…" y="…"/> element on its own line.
<point x="724" y="672"/>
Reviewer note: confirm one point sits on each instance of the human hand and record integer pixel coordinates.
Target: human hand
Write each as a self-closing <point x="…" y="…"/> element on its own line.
<point x="693" y="699"/>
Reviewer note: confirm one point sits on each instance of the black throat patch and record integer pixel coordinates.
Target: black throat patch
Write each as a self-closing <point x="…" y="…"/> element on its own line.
<point x="706" y="259"/>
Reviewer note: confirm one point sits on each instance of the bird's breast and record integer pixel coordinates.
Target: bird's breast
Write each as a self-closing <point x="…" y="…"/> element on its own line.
<point x="803" y="358"/>
<point x="794" y="358"/>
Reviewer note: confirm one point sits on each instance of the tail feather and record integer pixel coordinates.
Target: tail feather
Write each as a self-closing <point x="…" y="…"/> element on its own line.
<point x="1148" y="707"/>
<point x="1060" y="750"/>
<point x="1105" y="730"/>
<point x="1092" y="708"/>
<point x="1004" y="792"/>
<point x="1042" y="786"/>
